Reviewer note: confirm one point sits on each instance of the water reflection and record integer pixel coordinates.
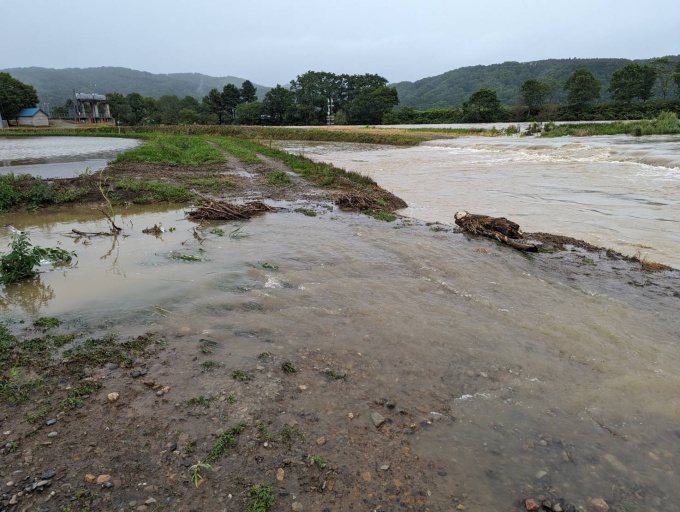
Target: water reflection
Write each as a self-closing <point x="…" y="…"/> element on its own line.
<point x="30" y="295"/>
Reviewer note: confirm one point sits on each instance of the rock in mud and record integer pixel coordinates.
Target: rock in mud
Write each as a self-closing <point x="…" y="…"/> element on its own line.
<point x="599" y="504"/>
<point x="378" y="419"/>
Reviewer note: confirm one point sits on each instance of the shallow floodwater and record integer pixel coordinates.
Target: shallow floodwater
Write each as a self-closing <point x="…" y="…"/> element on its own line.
<point x="619" y="192"/>
<point x="59" y="157"/>
<point x="544" y="381"/>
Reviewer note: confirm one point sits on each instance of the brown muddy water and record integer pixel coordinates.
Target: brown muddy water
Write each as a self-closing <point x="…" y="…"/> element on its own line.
<point x="547" y="379"/>
<point x="619" y="192"/>
<point x="59" y="157"/>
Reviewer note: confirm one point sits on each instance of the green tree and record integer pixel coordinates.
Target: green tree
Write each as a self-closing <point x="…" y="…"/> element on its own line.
<point x="231" y="97"/>
<point x="534" y="93"/>
<point x="664" y="74"/>
<point x="250" y="112"/>
<point x="141" y="109"/>
<point x="14" y="96"/>
<point x="277" y="104"/>
<point x="632" y="81"/>
<point x="312" y="91"/>
<point x="118" y="104"/>
<point x="676" y="78"/>
<point x="371" y="105"/>
<point x="248" y="92"/>
<point x="483" y="106"/>
<point x="168" y="108"/>
<point x="582" y="87"/>
<point x="214" y="104"/>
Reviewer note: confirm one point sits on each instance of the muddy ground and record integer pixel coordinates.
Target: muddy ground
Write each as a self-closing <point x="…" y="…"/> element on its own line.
<point x="125" y="429"/>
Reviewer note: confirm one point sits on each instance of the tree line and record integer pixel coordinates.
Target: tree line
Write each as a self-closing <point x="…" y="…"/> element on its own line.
<point x="309" y="100"/>
<point x="631" y="89"/>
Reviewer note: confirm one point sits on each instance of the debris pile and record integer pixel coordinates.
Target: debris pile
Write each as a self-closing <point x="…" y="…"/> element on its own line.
<point x="222" y="210"/>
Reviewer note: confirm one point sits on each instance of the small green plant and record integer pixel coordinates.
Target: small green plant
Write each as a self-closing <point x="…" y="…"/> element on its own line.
<point x="263" y="433"/>
<point x="318" y="460"/>
<point x="332" y="374"/>
<point x="288" y="434"/>
<point x="20" y="262"/>
<point x="186" y="257"/>
<point x="217" y="231"/>
<point x="288" y="368"/>
<point x="306" y="211"/>
<point x="12" y="446"/>
<point x="225" y="440"/>
<point x="261" y="498"/>
<point x="231" y="399"/>
<point x="200" y="400"/>
<point x="268" y="266"/>
<point x="46" y="322"/>
<point x="196" y="469"/>
<point x="210" y="365"/>
<point x="386" y="216"/>
<point x="242" y="375"/>
<point x="278" y="178"/>
<point x="265" y="356"/>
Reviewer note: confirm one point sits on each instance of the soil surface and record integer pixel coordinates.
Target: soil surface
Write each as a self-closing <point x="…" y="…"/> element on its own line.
<point x="123" y="430"/>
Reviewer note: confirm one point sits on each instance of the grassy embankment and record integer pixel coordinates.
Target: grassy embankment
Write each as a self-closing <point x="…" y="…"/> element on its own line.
<point x="666" y="124"/>
<point x="193" y="152"/>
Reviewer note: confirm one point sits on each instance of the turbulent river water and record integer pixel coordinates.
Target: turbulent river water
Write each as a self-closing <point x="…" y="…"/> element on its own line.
<point x="619" y="192"/>
<point x="547" y="379"/>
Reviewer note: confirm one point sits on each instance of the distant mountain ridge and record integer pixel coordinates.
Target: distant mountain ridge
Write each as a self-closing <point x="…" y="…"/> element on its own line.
<point x="450" y="89"/>
<point x="55" y="86"/>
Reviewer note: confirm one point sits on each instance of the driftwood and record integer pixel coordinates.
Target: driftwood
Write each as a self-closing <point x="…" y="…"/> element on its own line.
<point x="221" y="210"/>
<point x="376" y="200"/>
<point x="496" y="228"/>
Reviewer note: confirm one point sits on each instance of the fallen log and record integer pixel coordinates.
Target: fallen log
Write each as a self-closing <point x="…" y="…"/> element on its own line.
<point x="496" y="228"/>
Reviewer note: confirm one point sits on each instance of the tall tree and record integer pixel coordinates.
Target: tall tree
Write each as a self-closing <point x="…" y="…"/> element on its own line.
<point x="534" y="92"/>
<point x="632" y="81"/>
<point x="676" y="78"/>
<point x="664" y="74"/>
<point x="248" y="92"/>
<point x="372" y="104"/>
<point x="277" y="104"/>
<point x="582" y="87"/>
<point x="214" y="104"/>
<point x="14" y="96"/>
<point x="231" y="97"/>
<point x="483" y="106"/>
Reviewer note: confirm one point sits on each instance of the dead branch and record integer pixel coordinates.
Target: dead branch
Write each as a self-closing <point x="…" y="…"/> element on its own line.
<point x="222" y="210"/>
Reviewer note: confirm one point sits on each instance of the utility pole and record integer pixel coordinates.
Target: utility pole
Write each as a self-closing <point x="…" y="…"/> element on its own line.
<point x="330" y="118"/>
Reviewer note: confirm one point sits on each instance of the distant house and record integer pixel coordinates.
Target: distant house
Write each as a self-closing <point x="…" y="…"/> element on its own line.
<point x="32" y="117"/>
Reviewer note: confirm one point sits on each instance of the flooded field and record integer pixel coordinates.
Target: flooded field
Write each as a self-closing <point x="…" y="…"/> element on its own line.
<point x="619" y="192"/>
<point x="528" y="375"/>
<point x="59" y="157"/>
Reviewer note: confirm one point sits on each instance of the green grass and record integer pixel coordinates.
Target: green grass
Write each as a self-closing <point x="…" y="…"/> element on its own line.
<point x="242" y="375"/>
<point x="46" y="322"/>
<point x="167" y="149"/>
<point x="33" y="192"/>
<point x="306" y="211"/>
<point x="665" y="124"/>
<point x="241" y="149"/>
<point x="200" y="400"/>
<point x="261" y="498"/>
<point x="386" y="216"/>
<point x="225" y="440"/>
<point x="155" y="191"/>
<point x="278" y="178"/>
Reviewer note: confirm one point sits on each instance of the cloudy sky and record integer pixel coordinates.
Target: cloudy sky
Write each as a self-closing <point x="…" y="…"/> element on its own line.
<point x="273" y="41"/>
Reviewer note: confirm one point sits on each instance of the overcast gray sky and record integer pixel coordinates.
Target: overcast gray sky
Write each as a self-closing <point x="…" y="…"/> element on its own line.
<point x="273" y="41"/>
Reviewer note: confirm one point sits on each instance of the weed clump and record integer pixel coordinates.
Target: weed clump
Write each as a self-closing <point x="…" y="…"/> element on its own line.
<point x="261" y="498"/>
<point x="225" y="440"/>
<point x="20" y="262"/>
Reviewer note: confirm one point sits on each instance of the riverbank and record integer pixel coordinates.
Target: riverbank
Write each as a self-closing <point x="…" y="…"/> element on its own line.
<point x="181" y="415"/>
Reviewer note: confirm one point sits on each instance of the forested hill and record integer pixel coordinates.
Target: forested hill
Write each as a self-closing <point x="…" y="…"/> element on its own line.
<point x="453" y="87"/>
<point x="55" y="86"/>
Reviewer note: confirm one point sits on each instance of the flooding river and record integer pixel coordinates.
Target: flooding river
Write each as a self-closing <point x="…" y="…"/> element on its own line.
<point x="59" y="157"/>
<point x="619" y="192"/>
<point x="551" y="380"/>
